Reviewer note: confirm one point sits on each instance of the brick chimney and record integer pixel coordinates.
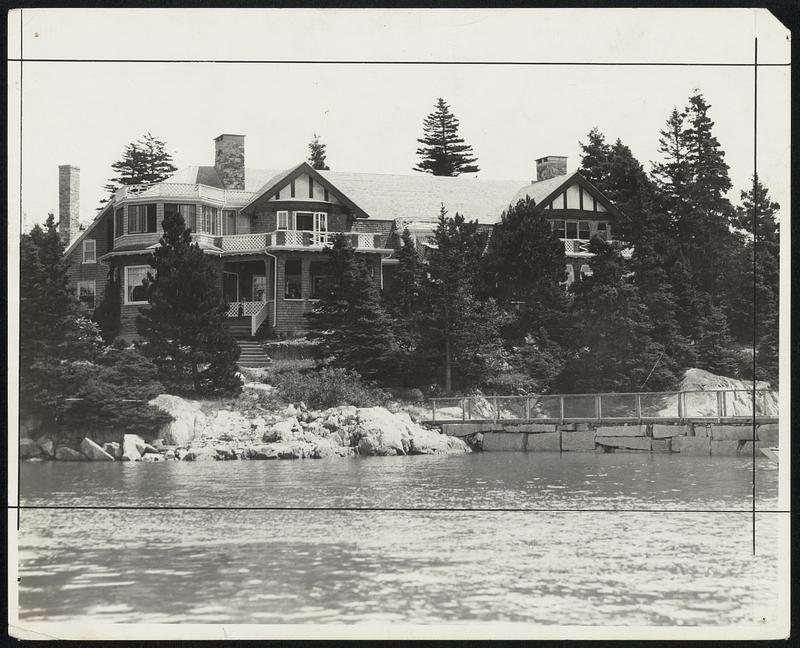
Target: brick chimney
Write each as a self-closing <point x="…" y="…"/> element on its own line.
<point x="550" y="167"/>
<point x="229" y="160"/>
<point x="69" y="185"/>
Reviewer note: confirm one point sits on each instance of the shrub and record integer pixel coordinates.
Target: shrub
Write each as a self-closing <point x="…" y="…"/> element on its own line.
<point x="326" y="388"/>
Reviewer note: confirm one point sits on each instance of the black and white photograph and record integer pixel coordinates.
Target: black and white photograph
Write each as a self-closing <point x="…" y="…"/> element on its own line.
<point x="439" y="323"/>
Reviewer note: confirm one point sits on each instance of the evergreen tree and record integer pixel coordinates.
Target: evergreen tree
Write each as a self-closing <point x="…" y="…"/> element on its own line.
<point x="715" y="347"/>
<point x="317" y="155"/>
<point x="107" y="313"/>
<point x="443" y="152"/>
<point x="184" y="325"/>
<point x="47" y="300"/>
<point x="144" y="161"/>
<point x="524" y="269"/>
<point x="460" y="332"/>
<point x="349" y="324"/>
<point x="403" y="303"/>
<point x="753" y="297"/>
<point x="615" y="352"/>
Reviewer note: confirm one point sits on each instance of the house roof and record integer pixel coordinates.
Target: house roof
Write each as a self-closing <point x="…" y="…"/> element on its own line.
<point x="88" y="229"/>
<point x="390" y="197"/>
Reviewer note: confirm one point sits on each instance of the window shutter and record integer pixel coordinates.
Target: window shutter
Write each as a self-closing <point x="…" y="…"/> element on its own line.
<point x="151" y="218"/>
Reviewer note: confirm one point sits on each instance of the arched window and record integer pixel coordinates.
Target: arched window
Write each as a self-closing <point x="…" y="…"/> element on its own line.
<point x="586" y="271"/>
<point x="570" y="275"/>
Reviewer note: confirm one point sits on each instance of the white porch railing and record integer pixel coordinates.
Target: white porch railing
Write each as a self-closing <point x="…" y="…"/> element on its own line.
<point x="257" y="311"/>
<point x="307" y="239"/>
<point x="244" y="242"/>
<point x="576" y="246"/>
<point x="366" y="241"/>
<point x="258" y="318"/>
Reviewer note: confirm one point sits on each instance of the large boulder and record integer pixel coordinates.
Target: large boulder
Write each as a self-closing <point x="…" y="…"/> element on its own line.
<point x="186" y="419"/>
<point x="423" y="441"/>
<point x="63" y="453"/>
<point x="47" y="445"/>
<point x="28" y="448"/>
<point x="114" y="449"/>
<point x="152" y="458"/>
<point x="379" y="432"/>
<point x="132" y="447"/>
<point x="93" y="451"/>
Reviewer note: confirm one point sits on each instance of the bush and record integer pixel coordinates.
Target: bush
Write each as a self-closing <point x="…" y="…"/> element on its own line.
<point x="326" y="388"/>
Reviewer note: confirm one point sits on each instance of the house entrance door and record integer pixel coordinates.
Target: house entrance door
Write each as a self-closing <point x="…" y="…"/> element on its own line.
<point x="259" y="288"/>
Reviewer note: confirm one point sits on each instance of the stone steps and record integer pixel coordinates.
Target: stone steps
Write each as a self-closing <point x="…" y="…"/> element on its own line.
<point x="252" y="354"/>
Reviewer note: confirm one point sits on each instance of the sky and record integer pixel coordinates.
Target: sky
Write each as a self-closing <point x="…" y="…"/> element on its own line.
<point x="370" y="115"/>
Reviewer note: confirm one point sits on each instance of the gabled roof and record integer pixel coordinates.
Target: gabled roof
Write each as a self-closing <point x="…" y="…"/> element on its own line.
<point x="544" y="191"/>
<point x="280" y="180"/>
<point x="88" y="229"/>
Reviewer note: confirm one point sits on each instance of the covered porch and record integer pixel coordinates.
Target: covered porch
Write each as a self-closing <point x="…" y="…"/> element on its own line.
<point x="247" y="288"/>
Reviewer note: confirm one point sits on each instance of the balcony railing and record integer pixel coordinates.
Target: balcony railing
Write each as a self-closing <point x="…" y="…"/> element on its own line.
<point x="244" y="242"/>
<point x="318" y="240"/>
<point x="182" y="190"/>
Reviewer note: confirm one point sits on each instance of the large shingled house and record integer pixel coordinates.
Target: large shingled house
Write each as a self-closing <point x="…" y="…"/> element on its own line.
<point x="266" y="229"/>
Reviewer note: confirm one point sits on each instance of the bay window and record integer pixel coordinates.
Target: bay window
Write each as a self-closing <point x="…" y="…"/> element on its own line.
<point x="209" y="221"/>
<point x="189" y="213"/>
<point x="141" y="219"/>
<point x="119" y="222"/>
<point x="229" y="221"/>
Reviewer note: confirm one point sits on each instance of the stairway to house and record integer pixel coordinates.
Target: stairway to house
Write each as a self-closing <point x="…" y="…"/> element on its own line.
<point x="252" y="354"/>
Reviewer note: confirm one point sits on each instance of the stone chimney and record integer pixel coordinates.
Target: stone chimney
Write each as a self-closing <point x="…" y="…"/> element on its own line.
<point x="550" y="167"/>
<point x="69" y="185"/>
<point x="229" y="160"/>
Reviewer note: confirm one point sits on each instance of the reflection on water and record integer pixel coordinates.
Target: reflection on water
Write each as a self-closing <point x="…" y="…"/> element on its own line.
<point x="690" y="565"/>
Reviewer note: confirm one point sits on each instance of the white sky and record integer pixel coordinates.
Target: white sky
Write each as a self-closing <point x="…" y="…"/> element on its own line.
<point x="370" y="116"/>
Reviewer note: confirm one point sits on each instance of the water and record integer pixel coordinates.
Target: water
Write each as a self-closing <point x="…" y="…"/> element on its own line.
<point x="610" y="539"/>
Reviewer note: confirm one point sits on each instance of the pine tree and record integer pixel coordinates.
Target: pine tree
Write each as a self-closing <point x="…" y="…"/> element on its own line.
<point x="143" y="162"/>
<point x="349" y="324"/>
<point x="443" y="152"/>
<point x="523" y="270"/>
<point x="615" y="352"/>
<point x="715" y="347"/>
<point x="184" y="325"/>
<point x="317" y="155"/>
<point x="460" y="332"/>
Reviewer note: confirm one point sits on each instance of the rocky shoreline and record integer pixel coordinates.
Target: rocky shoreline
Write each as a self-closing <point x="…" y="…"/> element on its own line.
<point x="254" y="433"/>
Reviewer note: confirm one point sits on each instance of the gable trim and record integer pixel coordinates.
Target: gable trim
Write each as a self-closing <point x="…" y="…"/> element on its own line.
<point x="292" y="175"/>
<point x="578" y="179"/>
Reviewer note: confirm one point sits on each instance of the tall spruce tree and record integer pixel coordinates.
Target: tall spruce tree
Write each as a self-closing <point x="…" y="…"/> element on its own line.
<point x="460" y="331"/>
<point x="443" y="152"/>
<point x="615" y="352"/>
<point x="317" y="154"/>
<point x="143" y="161"/>
<point x="752" y="298"/>
<point x="107" y="313"/>
<point x="185" y="326"/>
<point x="349" y="324"/>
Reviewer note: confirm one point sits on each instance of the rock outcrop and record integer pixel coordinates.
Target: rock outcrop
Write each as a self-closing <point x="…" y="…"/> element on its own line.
<point x="28" y="449"/>
<point x="186" y="416"/>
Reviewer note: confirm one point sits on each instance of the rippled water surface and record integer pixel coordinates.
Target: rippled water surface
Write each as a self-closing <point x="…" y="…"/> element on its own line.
<point x="540" y="537"/>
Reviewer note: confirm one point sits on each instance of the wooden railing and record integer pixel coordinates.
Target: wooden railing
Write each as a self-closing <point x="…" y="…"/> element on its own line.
<point x="304" y="239"/>
<point x="183" y="190"/>
<point x="635" y="407"/>
<point x="244" y="242"/>
<point x="258" y="318"/>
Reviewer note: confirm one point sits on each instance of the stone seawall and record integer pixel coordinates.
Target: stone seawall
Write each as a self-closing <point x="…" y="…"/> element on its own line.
<point x="689" y="438"/>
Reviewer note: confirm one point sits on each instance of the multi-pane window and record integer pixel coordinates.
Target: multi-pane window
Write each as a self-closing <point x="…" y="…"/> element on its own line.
<point x="189" y="213"/>
<point x="210" y="221"/>
<point x="572" y="229"/>
<point x="283" y="220"/>
<point x="293" y="278"/>
<point x="90" y="251"/>
<point x="119" y="222"/>
<point x="586" y="271"/>
<point x="141" y="219"/>
<point x="87" y="291"/>
<point x="135" y="291"/>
